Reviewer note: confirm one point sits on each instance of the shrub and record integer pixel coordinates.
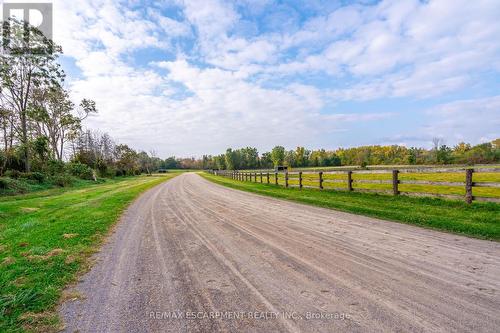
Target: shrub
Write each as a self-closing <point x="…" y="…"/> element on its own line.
<point x="62" y="180"/>
<point x="80" y="170"/>
<point x="55" y="167"/>
<point x="12" y="186"/>
<point x="14" y="174"/>
<point x="35" y="176"/>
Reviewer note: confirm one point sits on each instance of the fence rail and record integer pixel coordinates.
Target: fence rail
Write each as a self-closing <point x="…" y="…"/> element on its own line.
<point x="312" y="179"/>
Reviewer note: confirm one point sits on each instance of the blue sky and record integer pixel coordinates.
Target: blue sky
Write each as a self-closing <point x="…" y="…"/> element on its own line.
<point x="191" y="77"/>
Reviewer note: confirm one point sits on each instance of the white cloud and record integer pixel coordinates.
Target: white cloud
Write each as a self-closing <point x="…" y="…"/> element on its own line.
<point x="216" y="93"/>
<point x="460" y="120"/>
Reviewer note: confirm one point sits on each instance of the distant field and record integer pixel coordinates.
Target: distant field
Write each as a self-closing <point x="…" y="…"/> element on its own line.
<point x="377" y="167"/>
<point x="313" y="180"/>
<point x="46" y="239"/>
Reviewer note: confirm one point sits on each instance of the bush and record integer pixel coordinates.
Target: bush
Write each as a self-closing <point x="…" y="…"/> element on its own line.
<point x="62" y="180"/>
<point x="55" y="167"/>
<point x="35" y="176"/>
<point x="80" y="170"/>
<point x="14" y="174"/>
<point x="12" y="186"/>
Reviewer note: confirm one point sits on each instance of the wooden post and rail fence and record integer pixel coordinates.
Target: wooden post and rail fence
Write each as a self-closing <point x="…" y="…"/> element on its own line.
<point x="316" y="179"/>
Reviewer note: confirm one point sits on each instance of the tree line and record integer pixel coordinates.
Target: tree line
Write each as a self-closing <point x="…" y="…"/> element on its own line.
<point x="42" y="132"/>
<point x="249" y="158"/>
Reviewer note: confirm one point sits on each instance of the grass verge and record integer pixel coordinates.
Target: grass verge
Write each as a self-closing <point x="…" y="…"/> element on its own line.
<point x="480" y="220"/>
<point x="46" y="240"/>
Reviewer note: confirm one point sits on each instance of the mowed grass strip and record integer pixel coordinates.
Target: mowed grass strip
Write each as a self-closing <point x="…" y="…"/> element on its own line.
<point x="480" y="220"/>
<point x="47" y="238"/>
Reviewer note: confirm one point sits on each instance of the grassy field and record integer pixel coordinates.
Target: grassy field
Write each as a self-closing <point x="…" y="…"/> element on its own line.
<point x="480" y="220"/>
<point x="382" y="166"/>
<point x="313" y="180"/>
<point x="46" y="239"/>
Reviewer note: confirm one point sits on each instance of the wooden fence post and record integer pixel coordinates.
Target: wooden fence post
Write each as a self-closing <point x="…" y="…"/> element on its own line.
<point x="275" y="178"/>
<point x="320" y="180"/>
<point x="300" y="179"/>
<point x="468" y="185"/>
<point x="267" y="177"/>
<point x="349" y="180"/>
<point x="395" y="182"/>
<point x="261" y="177"/>
<point x="286" y="178"/>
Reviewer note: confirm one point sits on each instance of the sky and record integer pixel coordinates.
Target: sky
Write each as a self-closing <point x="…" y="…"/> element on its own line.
<point x="195" y="77"/>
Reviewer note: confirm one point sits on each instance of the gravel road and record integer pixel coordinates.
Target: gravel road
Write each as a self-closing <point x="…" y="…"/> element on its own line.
<point x="192" y="256"/>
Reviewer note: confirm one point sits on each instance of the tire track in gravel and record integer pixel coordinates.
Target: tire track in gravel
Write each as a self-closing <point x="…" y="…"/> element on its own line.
<point x="191" y="246"/>
<point x="389" y="293"/>
<point x="364" y="260"/>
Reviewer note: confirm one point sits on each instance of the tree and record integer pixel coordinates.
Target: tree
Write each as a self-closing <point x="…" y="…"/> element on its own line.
<point x="444" y="155"/>
<point x="170" y="163"/>
<point x="7" y="127"/>
<point x="412" y="156"/>
<point x="278" y="155"/>
<point x="496" y="143"/>
<point x="144" y="162"/>
<point x="21" y="73"/>
<point x="266" y="160"/>
<point x="230" y="159"/>
<point x="52" y="112"/>
<point x="95" y="150"/>
<point x="41" y="148"/>
<point x="249" y="158"/>
<point x="127" y="161"/>
<point x="436" y="144"/>
<point x="301" y="156"/>
<point x="220" y="162"/>
<point x="290" y="158"/>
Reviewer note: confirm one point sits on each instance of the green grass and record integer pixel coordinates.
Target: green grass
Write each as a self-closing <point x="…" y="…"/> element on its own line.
<point x="46" y="239"/>
<point x="480" y="220"/>
<point x="11" y="186"/>
<point x="313" y="180"/>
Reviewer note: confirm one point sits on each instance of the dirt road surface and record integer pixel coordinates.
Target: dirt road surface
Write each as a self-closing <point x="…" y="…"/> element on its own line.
<point x="192" y="256"/>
